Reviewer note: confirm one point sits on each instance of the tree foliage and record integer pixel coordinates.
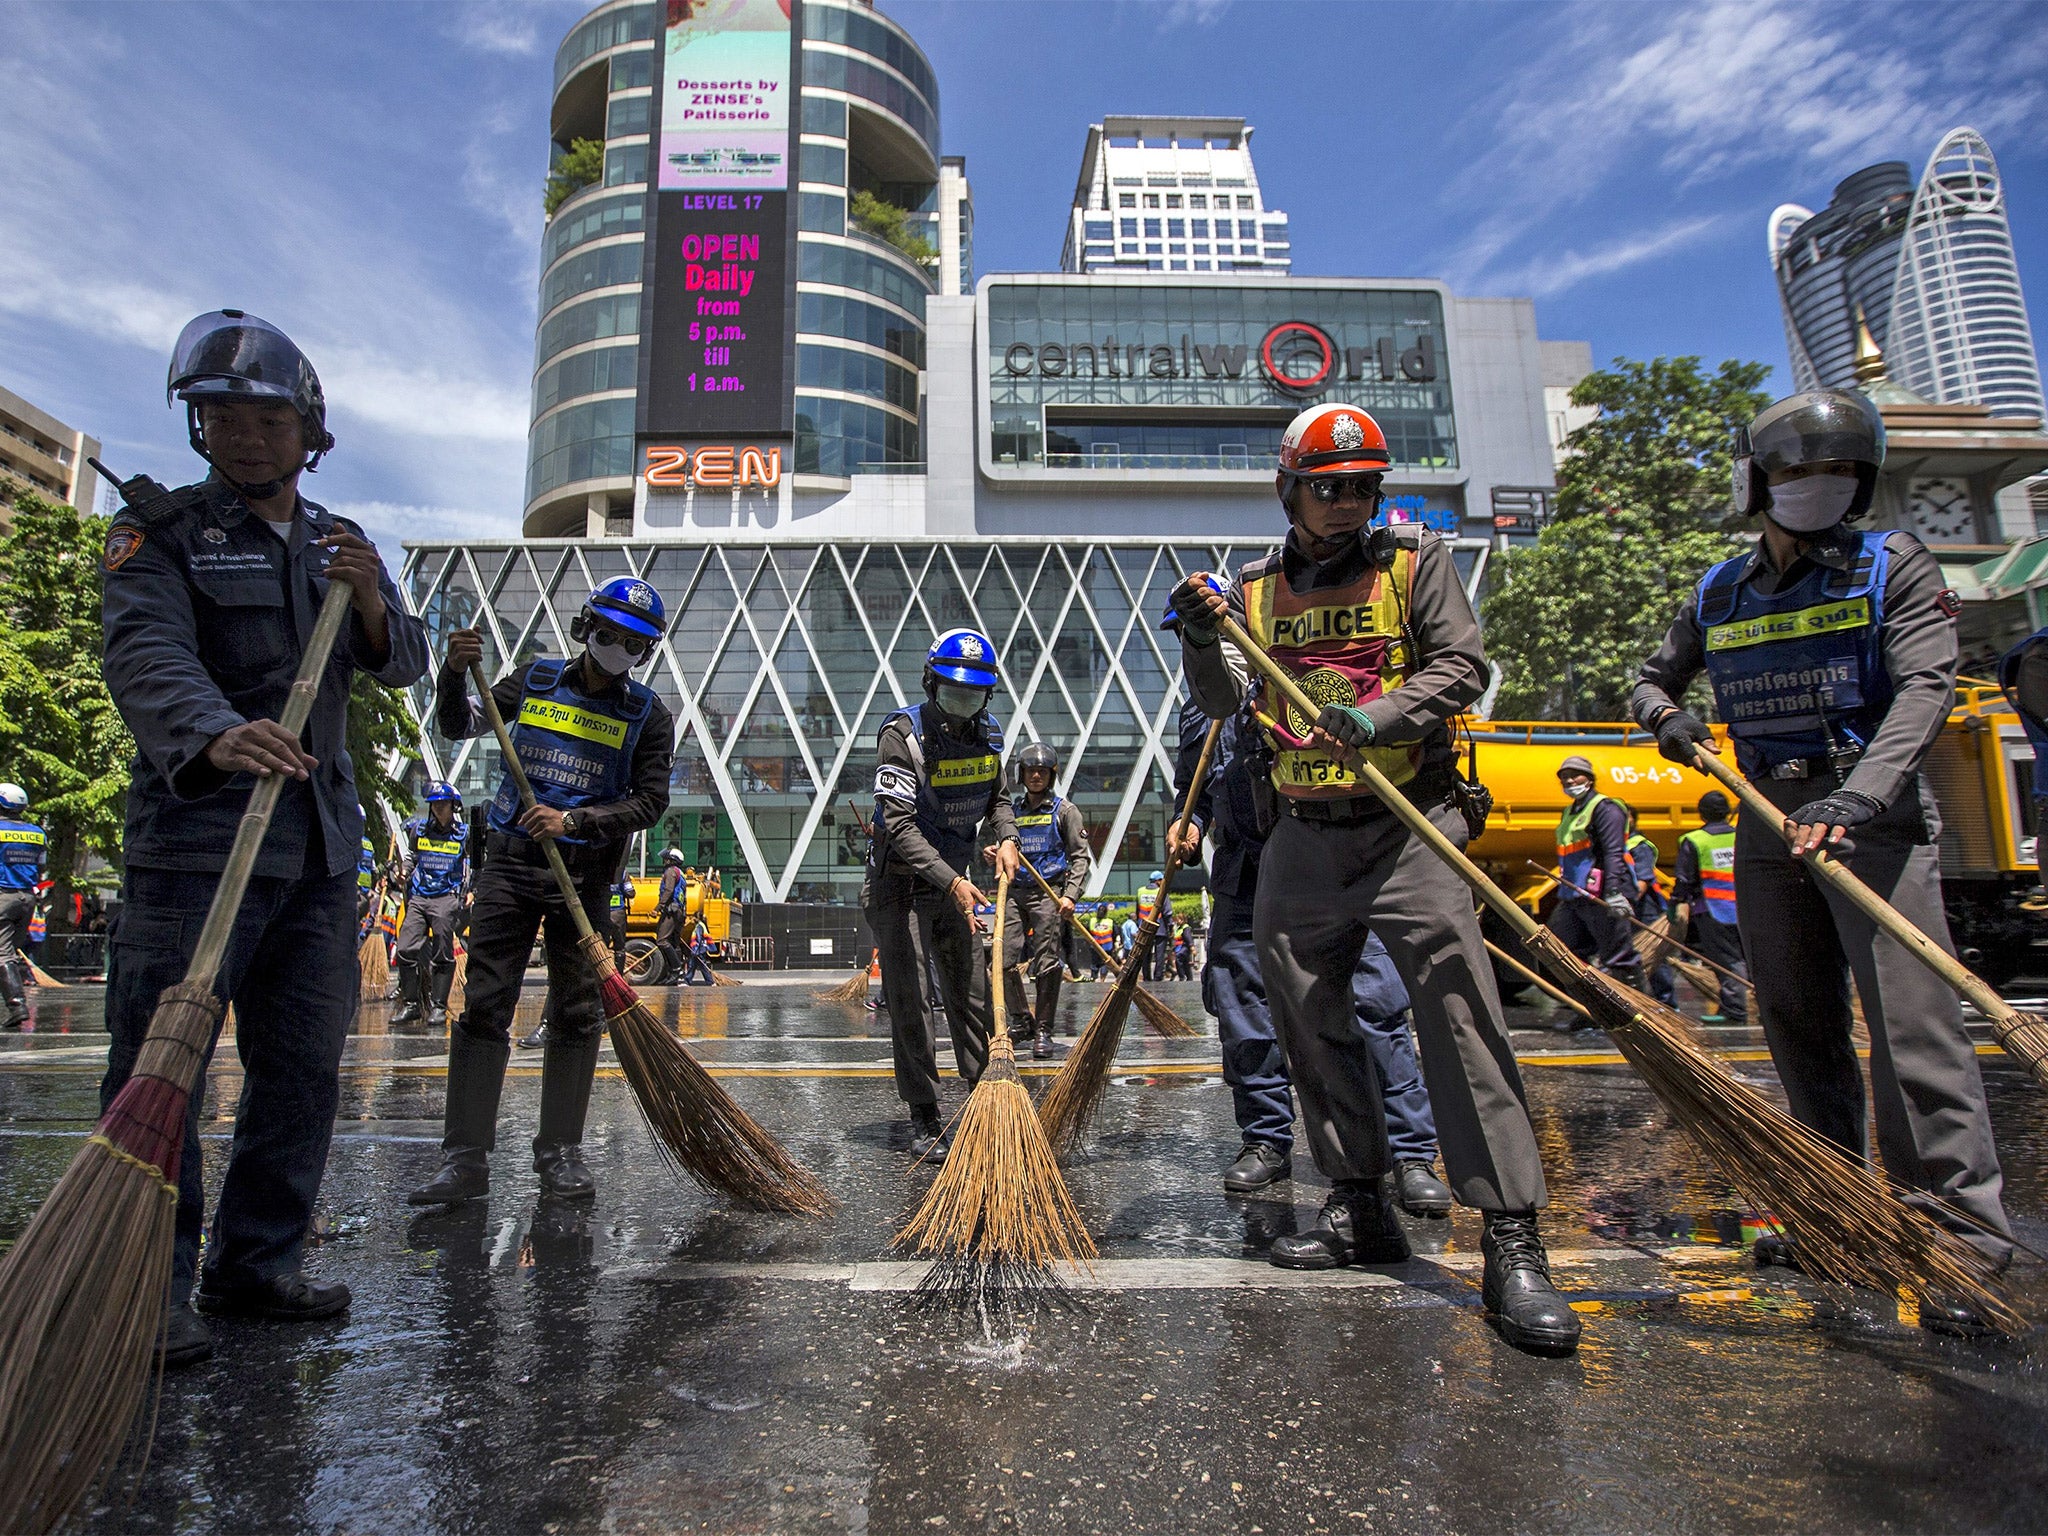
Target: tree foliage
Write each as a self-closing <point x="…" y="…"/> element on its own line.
<point x="582" y="166"/>
<point x="1640" y="510"/>
<point x="378" y="729"/>
<point x="886" y="222"/>
<point x="61" y="738"/>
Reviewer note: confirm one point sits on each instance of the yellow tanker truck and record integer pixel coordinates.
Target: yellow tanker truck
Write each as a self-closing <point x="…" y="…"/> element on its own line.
<point x="1981" y="769"/>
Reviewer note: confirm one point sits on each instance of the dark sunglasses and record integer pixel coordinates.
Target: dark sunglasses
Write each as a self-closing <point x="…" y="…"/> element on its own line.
<point x="1364" y="487"/>
<point x="626" y="640"/>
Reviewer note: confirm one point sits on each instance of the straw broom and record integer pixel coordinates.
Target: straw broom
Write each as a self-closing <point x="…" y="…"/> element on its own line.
<point x="1070" y="1104"/>
<point x="696" y="1124"/>
<point x="1161" y="1018"/>
<point x="998" y="1217"/>
<point x="852" y="990"/>
<point x="39" y="976"/>
<point x="373" y="958"/>
<point x="458" y="988"/>
<point x="1848" y="1220"/>
<point x="83" y="1294"/>
<point x="2024" y="1036"/>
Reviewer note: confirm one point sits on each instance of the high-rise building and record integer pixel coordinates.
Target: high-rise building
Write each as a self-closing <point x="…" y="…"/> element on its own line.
<point x="1172" y="194"/>
<point x="38" y="450"/>
<point x="1929" y="268"/>
<point x="955" y="227"/>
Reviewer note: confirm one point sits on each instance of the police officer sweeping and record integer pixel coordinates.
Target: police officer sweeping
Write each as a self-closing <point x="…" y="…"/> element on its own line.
<point x="1375" y="623"/>
<point x="23" y="848"/>
<point x="597" y="746"/>
<point x="1703" y="901"/>
<point x="437" y="871"/>
<point x="938" y="783"/>
<point x="210" y="594"/>
<point x="1053" y="837"/>
<point x="1832" y="656"/>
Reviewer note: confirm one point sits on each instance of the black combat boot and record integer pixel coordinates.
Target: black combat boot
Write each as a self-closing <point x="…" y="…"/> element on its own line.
<point x="1954" y="1318"/>
<point x="567" y="1068"/>
<point x="1775" y="1248"/>
<point x="1532" y="1314"/>
<point x="186" y="1340"/>
<point x="1358" y="1226"/>
<point x="16" y="995"/>
<point x="476" y="1076"/>
<point x="1259" y="1164"/>
<point x="928" y="1134"/>
<point x="408" y="994"/>
<point x="1046" y="1007"/>
<point x="1421" y="1192"/>
<point x="444" y="983"/>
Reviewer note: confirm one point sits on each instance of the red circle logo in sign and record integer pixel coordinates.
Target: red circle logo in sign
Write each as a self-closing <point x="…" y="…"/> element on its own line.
<point x="1298" y="357"/>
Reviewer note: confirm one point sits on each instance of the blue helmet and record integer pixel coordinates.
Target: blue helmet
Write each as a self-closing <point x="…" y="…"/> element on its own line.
<point x="439" y="790"/>
<point x="962" y="656"/>
<point x="628" y="603"/>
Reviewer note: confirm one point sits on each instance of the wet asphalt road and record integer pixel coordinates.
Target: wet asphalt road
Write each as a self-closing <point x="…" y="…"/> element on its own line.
<point x="663" y="1362"/>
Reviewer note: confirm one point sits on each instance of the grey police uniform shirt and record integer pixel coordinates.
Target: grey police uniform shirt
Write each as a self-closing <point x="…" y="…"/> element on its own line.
<point x="206" y="615"/>
<point x="1919" y="645"/>
<point x="909" y="850"/>
<point x="1447" y="673"/>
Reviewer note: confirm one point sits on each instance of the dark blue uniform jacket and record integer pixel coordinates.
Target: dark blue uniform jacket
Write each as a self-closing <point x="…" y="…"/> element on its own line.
<point x="207" y="613"/>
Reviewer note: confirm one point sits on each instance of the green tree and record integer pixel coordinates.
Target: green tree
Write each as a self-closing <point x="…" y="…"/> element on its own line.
<point x="581" y="166"/>
<point x="1641" y="506"/>
<point x="378" y="728"/>
<point x="888" y="223"/>
<point x="61" y="738"/>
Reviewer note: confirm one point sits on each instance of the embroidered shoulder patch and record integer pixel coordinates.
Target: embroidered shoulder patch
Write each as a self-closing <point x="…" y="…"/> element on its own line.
<point x="122" y="542"/>
<point x="1951" y="603"/>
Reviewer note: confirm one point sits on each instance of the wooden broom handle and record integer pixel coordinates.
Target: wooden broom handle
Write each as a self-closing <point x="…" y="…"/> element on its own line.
<point x="998" y="1024"/>
<point x="298" y="708"/>
<point x="1073" y="917"/>
<point x="1405" y="810"/>
<point x="1187" y="811"/>
<point x="1861" y="896"/>
<point x="527" y="802"/>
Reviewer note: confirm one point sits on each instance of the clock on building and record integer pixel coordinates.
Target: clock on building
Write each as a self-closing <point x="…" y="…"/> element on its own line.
<point x="1939" y="510"/>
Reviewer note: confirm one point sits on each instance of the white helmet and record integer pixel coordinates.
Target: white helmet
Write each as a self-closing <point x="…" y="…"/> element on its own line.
<point x="13" y="799"/>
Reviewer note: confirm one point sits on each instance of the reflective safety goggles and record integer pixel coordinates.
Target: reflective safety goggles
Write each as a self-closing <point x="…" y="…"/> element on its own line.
<point x="624" y="639"/>
<point x="1363" y="487"/>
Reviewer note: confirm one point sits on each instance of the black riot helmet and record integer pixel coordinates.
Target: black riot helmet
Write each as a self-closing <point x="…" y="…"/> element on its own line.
<point x="231" y="355"/>
<point x="1038" y="755"/>
<point x="1813" y="427"/>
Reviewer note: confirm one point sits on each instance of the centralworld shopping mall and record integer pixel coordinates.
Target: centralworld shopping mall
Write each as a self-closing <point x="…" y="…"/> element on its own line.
<point x="826" y="445"/>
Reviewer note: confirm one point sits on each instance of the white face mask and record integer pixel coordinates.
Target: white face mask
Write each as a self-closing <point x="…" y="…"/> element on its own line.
<point x="1812" y="504"/>
<point x="1578" y="789"/>
<point x="616" y="660"/>
<point x="961" y="703"/>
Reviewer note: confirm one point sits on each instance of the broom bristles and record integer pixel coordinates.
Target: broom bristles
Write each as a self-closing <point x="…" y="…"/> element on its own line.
<point x="83" y="1292"/>
<point x="374" y="963"/>
<point x="1162" y="1019"/>
<point x="1849" y="1222"/>
<point x="1070" y="1104"/>
<point x="696" y="1124"/>
<point x="458" y="987"/>
<point x="41" y="977"/>
<point x="720" y="979"/>
<point x="852" y="990"/>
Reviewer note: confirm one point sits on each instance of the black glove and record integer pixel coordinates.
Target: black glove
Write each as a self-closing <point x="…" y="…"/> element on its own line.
<point x="1197" y="603"/>
<point x="1351" y="726"/>
<point x="1676" y="733"/>
<point x="1844" y="808"/>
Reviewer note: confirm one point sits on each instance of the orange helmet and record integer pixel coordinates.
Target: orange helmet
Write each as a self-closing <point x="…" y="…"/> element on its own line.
<point x="1334" y="440"/>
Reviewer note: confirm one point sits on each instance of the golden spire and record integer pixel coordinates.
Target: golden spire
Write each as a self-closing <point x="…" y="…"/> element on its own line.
<point x="1869" y="358"/>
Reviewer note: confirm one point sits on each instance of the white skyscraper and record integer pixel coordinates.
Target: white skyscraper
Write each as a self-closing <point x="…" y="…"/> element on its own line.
<point x="1172" y="194"/>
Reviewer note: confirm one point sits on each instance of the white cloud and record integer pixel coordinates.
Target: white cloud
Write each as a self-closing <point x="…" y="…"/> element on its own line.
<point x="1553" y="272"/>
<point x="392" y="525"/>
<point x="509" y="30"/>
<point x="1191" y="13"/>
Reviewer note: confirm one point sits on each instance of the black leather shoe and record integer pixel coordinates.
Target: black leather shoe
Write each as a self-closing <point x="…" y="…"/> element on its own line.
<point x="465" y="1175"/>
<point x="1041" y="1045"/>
<point x="562" y="1172"/>
<point x="408" y="1014"/>
<point x="1774" y="1248"/>
<point x="1421" y="1192"/>
<point x="14" y="1021"/>
<point x="1358" y="1226"/>
<point x="186" y="1342"/>
<point x="437" y="1017"/>
<point x="1259" y="1164"/>
<point x="1532" y="1314"/>
<point x="928" y="1136"/>
<point x="288" y="1299"/>
<point x="1953" y="1319"/>
<point x="536" y="1040"/>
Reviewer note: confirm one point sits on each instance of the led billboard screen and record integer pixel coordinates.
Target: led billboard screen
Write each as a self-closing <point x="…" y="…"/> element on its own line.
<point x="719" y="288"/>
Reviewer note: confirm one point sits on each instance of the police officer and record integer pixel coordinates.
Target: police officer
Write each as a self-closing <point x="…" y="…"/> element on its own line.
<point x="1053" y="836"/>
<point x="597" y="746"/>
<point x="210" y="593"/>
<point x="23" y="848"/>
<point x="2023" y="674"/>
<point x="1596" y="896"/>
<point x="671" y="905"/>
<point x="938" y="782"/>
<point x="1832" y="656"/>
<point x="1150" y="894"/>
<point x="366" y="880"/>
<point x="437" y="872"/>
<point x="1376" y="622"/>
<point x="1229" y="808"/>
<point x="1703" y="902"/>
<point x="1648" y="907"/>
<point x="621" y="912"/>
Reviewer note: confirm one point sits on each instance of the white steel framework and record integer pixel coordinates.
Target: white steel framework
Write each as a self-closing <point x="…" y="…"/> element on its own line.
<point x="782" y="660"/>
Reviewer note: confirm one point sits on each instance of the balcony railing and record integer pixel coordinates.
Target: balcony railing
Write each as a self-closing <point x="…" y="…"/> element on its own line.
<point x="1112" y="458"/>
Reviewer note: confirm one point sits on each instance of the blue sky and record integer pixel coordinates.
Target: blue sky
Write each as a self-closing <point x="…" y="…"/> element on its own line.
<point x="368" y="176"/>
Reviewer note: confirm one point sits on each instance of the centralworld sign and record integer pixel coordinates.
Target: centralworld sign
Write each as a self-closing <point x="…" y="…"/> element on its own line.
<point x="1295" y="356"/>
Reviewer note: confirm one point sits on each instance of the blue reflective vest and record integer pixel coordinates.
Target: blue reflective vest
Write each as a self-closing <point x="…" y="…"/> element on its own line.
<point x="366" y="865"/>
<point x="1038" y="836"/>
<point x="22" y="844"/>
<point x="438" y="859"/>
<point x="1798" y="673"/>
<point x="1642" y="863"/>
<point x="958" y="781"/>
<point x="577" y="750"/>
<point x="2036" y="728"/>
<point x="622" y="899"/>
